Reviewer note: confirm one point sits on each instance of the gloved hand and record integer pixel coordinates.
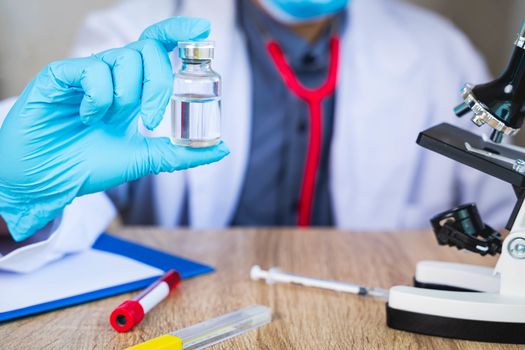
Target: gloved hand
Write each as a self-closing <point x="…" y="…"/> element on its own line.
<point x="74" y="129"/>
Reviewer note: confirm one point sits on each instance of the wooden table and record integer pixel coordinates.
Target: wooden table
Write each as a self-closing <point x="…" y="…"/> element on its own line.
<point x="304" y="318"/>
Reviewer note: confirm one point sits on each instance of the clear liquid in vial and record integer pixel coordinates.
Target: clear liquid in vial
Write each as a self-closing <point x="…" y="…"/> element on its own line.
<point x="195" y="120"/>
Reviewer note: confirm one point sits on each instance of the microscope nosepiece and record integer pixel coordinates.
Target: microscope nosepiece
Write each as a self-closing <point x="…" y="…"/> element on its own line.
<point x="499" y="103"/>
<point x="483" y="114"/>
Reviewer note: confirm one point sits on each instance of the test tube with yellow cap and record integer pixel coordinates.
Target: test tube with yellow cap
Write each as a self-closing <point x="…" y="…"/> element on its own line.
<point x="207" y="333"/>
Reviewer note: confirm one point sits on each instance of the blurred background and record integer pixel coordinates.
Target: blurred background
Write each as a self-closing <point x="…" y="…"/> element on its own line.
<point x="35" y="32"/>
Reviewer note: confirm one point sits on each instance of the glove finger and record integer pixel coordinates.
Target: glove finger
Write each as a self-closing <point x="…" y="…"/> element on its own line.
<point x="163" y="156"/>
<point x="157" y="81"/>
<point x="93" y="77"/>
<point x="126" y="71"/>
<point x="154" y="44"/>
<point x="172" y="30"/>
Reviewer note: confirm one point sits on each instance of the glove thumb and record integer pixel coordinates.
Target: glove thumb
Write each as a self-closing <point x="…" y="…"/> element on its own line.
<point x="163" y="156"/>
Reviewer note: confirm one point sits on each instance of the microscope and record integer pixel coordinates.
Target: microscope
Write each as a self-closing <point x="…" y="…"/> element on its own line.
<point x="467" y="301"/>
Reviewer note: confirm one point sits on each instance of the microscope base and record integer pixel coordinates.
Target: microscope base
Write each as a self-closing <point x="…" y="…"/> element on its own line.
<point x="488" y="317"/>
<point x="455" y="277"/>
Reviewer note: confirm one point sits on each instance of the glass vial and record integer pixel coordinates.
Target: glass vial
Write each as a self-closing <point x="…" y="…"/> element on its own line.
<point x="196" y="100"/>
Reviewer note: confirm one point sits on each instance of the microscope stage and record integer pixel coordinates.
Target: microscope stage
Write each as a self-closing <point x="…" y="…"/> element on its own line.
<point x="450" y="140"/>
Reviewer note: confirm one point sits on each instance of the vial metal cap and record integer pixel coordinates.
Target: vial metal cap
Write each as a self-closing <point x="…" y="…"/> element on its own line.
<point x="196" y="50"/>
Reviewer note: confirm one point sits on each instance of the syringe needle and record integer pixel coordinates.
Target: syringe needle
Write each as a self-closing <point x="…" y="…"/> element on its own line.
<point x="275" y="275"/>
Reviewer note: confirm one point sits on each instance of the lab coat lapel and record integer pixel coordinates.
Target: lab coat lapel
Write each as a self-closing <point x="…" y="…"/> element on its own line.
<point x="214" y="189"/>
<point x="380" y="109"/>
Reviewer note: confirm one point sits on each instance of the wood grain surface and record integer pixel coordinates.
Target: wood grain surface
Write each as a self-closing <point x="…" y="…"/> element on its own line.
<point x="304" y="318"/>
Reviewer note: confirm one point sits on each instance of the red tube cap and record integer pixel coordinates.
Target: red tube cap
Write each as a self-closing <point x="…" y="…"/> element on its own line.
<point x="172" y="278"/>
<point x="126" y="315"/>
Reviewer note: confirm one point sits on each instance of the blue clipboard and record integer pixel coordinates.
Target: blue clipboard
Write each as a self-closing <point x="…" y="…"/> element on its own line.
<point x="135" y="251"/>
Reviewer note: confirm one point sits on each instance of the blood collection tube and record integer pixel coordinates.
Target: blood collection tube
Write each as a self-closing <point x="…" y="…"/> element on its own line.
<point x="131" y="312"/>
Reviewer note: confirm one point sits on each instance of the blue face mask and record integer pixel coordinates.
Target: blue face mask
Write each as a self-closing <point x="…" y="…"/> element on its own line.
<point x="296" y="11"/>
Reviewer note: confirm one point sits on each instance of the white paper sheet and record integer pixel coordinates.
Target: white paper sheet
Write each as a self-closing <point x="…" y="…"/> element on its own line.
<point x="70" y="276"/>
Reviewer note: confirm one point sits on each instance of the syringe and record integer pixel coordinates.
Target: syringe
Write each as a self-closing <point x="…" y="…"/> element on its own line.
<point x="275" y="275"/>
<point x="207" y="333"/>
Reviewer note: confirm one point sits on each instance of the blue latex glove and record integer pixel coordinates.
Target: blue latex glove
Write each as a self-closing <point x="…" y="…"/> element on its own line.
<point x="74" y="129"/>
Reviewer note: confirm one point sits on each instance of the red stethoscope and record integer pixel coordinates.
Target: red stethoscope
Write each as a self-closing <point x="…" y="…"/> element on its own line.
<point x="314" y="99"/>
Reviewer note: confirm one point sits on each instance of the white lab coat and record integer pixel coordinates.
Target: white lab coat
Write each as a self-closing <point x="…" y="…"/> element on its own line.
<point x="401" y="71"/>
